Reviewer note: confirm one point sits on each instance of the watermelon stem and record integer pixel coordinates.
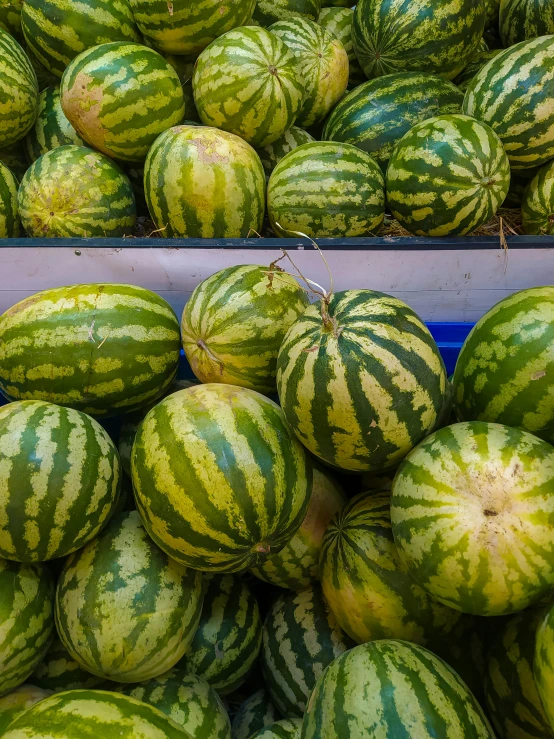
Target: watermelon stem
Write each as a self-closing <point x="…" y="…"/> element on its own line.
<point x="262" y="548"/>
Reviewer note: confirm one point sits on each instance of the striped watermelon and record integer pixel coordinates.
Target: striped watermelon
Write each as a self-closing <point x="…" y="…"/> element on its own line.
<point x="360" y="348"/>
<point x="392" y="688"/>
<point x="338" y="21"/>
<point x="45" y="78"/>
<point x="58" y="30"/>
<point x="19" y="98"/>
<point x="10" y="225"/>
<point x="59" y="480"/>
<point x="525" y="19"/>
<point x="77" y="714"/>
<point x="301" y="637"/>
<point x="297" y="564"/>
<point x="447" y="176"/>
<point x="537" y="206"/>
<point x="272" y="154"/>
<point x="185" y="70"/>
<point x="14" y="158"/>
<point x="10" y="17"/>
<point x="477" y="63"/>
<point x="227" y="642"/>
<point x="433" y="36"/>
<point x="73" y="191"/>
<point x="472" y="513"/>
<point x="543" y="667"/>
<point x="231" y="485"/>
<point x="267" y="12"/>
<point x="256" y="712"/>
<point x="188" y="700"/>
<point x="124" y="610"/>
<point x="376" y="115"/>
<point x="324" y="64"/>
<point x="51" y="129"/>
<point x="503" y="371"/>
<point x="509" y="94"/>
<point x="261" y="92"/>
<point x="349" y="199"/>
<point x="287" y="728"/>
<point x="120" y="97"/>
<point x="367" y="585"/>
<point x="59" y="672"/>
<point x="111" y="327"/>
<point x="26" y="620"/>
<point x="235" y="322"/>
<point x="204" y="183"/>
<point x="17" y="702"/>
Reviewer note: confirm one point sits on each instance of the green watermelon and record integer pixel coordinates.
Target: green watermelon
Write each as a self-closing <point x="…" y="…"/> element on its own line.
<point x="51" y="129"/>
<point x="503" y="371"/>
<point x="248" y="82"/>
<point x="58" y="30"/>
<point x="392" y="688"/>
<point x="204" y="183"/>
<point x="124" y="610"/>
<point x="543" y="666"/>
<point x="492" y="9"/>
<point x="521" y="20"/>
<point x="447" y="176"/>
<point x="537" y="206"/>
<point x="45" y="78"/>
<point x="10" y="225"/>
<point x="272" y="154"/>
<point x="509" y="94"/>
<point x="267" y="12"/>
<point x="376" y="115"/>
<point x="235" y="322"/>
<point x="185" y="70"/>
<point x="59" y="672"/>
<point x="19" y="99"/>
<point x="360" y="348"/>
<point x="472" y="512"/>
<point x="78" y="339"/>
<point x="219" y="481"/>
<point x="26" y="620"/>
<point x="17" y="702"/>
<point x="338" y="21"/>
<point x="227" y="642"/>
<point x="477" y="63"/>
<point x="287" y="728"/>
<point x="256" y="712"/>
<point x="59" y="480"/>
<point x="348" y="200"/>
<point x="10" y="17"/>
<point x="14" y="158"/>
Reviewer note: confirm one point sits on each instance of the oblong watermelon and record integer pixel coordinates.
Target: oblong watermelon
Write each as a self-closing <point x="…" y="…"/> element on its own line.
<point x="272" y="154"/>
<point x="543" y="665"/>
<point x="537" y="205"/>
<point x="59" y="672"/>
<point x="267" y="12"/>
<point x="19" y="99"/>
<point x="338" y="21"/>
<point x="521" y="20"/>
<point x="256" y="712"/>
<point x="286" y="728"/>
<point x="51" y="129"/>
<point x="10" y="225"/>
<point x="17" y="702"/>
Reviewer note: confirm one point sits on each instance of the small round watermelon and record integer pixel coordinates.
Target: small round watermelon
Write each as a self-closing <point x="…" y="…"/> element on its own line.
<point x="51" y="129"/>
<point x="256" y="712"/>
<point x="537" y="204"/>
<point x="19" y="99"/>
<point x="267" y="12"/>
<point x="272" y="154"/>
<point x="338" y="21"/>
<point x="59" y="672"/>
<point x="17" y="702"/>
<point x="10" y="225"/>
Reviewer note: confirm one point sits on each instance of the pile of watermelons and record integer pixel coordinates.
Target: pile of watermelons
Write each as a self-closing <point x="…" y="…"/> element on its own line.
<point x="231" y="118"/>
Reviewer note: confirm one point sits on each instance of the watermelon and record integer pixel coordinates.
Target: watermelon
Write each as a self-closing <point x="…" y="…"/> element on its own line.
<point x="235" y="322"/>
<point x="492" y="9"/>
<point x="489" y="551"/>
<point x="219" y="481"/>
<point x="51" y="129"/>
<point x="14" y="158"/>
<point x="521" y="20"/>
<point x="68" y="345"/>
<point x="324" y="64"/>
<point x="360" y="348"/>
<point x="17" y="702"/>
<point x="58" y="30"/>
<point x="376" y="115"/>
<point x="120" y="97"/>
<point x="502" y="373"/>
<point x="185" y="70"/>
<point x="124" y="610"/>
<point x="301" y="637"/>
<point x="267" y="12"/>
<point x="509" y="94"/>
<point x="10" y="17"/>
<point x="261" y="91"/>
<point x="19" y="99"/>
<point x="59" y="480"/>
<point x="26" y="620"/>
<point x="338" y="21"/>
<point x="204" y="183"/>
<point x="188" y="700"/>
<point x="256" y="712"/>
<point x="392" y="688"/>
<point x="477" y="63"/>
<point x="79" y="714"/>
<point x="59" y="672"/>
<point x="10" y="225"/>
<point x="287" y="728"/>
<point x="227" y="642"/>
<point x="537" y="206"/>
<point x="297" y="564"/>
<point x="433" y="36"/>
<point x="543" y="666"/>
<point x="447" y="176"/>
<point x="45" y="78"/>
<point x="272" y="154"/>
<point x="325" y="189"/>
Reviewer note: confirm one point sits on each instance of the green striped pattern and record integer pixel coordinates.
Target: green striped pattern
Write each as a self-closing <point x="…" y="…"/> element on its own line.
<point x="502" y="373"/>
<point x="45" y="78"/>
<point x="338" y="21"/>
<point x="188" y="27"/>
<point x="376" y="115"/>
<point x="51" y="129"/>
<point x="525" y="19"/>
<point x="248" y="82"/>
<point x="18" y="91"/>
<point x="59" y="671"/>
<point x="393" y="688"/>
<point x="185" y="69"/>
<point x="232" y="486"/>
<point x="204" y="183"/>
<point x="543" y="667"/>
<point x="120" y="97"/>
<point x="235" y="322"/>
<point x="509" y="93"/>
<point x="58" y="30"/>
<point x="77" y="714"/>
<point x="229" y="636"/>
<point x="26" y="620"/>
<point x="124" y="610"/>
<point x="477" y="63"/>
<point x="59" y="480"/>
<point x="325" y="189"/>
<point x="14" y="158"/>
<point x="297" y="564"/>
<point x="324" y="63"/>
<point x="272" y="154"/>
<point x="537" y="206"/>
<point x="287" y="728"/>
<point x="256" y="712"/>
<point x="188" y="700"/>
<point x="121" y="352"/>
<point x="447" y="176"/>
<point x="472" y="513"/>
<point x="17" y="702"/>
<point x="301" y="638"/>
<point x="379" y="376"/>
<point x="267" y="12"/>
<point x="10" y="17"/>
<point x="10" y="225"/>
<point x="433" y="36"/>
